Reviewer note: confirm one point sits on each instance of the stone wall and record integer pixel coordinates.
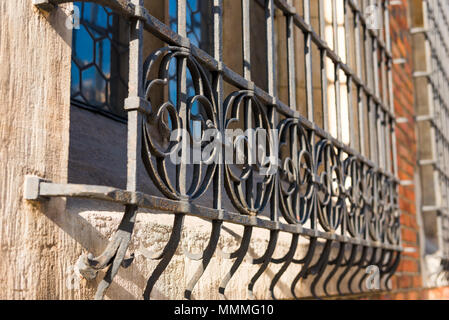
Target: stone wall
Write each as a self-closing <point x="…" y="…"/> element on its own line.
<point x="34" y="126"/>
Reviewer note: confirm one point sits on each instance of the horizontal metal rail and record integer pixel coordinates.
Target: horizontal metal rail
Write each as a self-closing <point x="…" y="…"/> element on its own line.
<point x="40" y="189"/>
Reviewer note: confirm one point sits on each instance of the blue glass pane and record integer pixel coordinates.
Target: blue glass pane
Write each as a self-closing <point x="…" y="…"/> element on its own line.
<point x="75" y="79"/>
<point x="95" y="14"/>
<point x="173" y="15"/>
<point x="172" y="83"/>
<point x="83" y="47"/>
<point x="99" y="64"/>
<point x="103" y="57"/>
<point x="194" y="21"/>
<point x="93" y="86"/>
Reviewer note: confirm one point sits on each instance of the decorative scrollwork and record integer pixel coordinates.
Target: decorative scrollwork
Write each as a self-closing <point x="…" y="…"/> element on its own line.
<point x="354" y="202"/>
<point x="393" y="224"/>
<point x="377" y="220"/>
<point x="174" y="124"/>
<point x="249" y="174"/>
<point x="330" y="193"/>
<point x="296" y="172"/>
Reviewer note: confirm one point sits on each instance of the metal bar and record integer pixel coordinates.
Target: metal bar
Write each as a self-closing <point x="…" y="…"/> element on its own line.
<point x="135" y="90"/>
<point x="181" y="92"/>
<point x="309" y="95"/>
<point x="246" y="38"/>
<point x="274" y="117"/>
<point x="219" y="94"/>
<point x="271" y="67"/>
<point x="349" y="78"/>
<point x="336" y="71"/>
<point x="248" y="103"/>
<point x="291" y="61"/>
<point x="323" y="55"/>
<point x="361" y="109"/>
<point x="308" y="63"/>
<point x="162" y="205"/>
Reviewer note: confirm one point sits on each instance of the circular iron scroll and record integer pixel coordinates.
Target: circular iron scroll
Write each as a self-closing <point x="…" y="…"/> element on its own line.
<point x="169" y="123"/>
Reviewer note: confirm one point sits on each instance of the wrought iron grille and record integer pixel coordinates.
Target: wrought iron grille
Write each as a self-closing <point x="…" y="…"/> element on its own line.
<point x="433" y="117"/>
<point x="323" y="190"/>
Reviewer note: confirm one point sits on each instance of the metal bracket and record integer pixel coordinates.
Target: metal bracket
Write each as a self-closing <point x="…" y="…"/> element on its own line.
<point x="137" y="103"/>
<point x="113" y="257"/>
<point x="32" y="187"/>
<point x="140" y="12"/>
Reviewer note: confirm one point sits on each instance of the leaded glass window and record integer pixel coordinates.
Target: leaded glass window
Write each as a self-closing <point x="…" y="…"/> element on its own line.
<point x="99" y="61"/>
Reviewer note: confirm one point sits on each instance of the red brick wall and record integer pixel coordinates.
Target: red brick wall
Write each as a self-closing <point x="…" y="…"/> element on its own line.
<point x="416" y="294"/>
<point x="408" y="273"/>
<point x="407" y="283"/>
